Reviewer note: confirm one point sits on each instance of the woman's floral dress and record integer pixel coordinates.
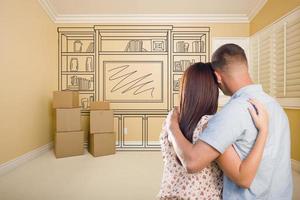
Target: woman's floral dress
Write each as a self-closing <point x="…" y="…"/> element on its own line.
<point x="178" y="184"/>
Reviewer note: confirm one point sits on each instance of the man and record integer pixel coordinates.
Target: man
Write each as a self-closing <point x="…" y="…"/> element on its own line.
<point x="233" y="126"/>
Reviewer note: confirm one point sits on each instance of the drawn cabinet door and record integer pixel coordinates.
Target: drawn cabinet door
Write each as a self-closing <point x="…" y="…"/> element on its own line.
<point x="117" y="129"/>
<point x="133" y="130"/>
<point x="153" y="129"/>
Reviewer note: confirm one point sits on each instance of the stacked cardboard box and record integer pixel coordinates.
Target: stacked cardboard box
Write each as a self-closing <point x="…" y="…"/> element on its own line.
<point x="68" y="139"/>
<point x="102" y="137"/>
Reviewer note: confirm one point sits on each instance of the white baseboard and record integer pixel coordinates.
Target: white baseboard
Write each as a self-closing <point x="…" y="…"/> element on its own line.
<point x="296" y="165"/>
<point x="12" y="164"/>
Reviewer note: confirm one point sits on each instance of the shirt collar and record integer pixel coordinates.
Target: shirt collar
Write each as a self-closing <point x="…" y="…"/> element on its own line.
<point x="247" y="89"/>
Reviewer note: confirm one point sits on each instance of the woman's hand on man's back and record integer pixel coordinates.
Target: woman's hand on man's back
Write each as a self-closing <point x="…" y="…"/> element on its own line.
<point x="259" y="115"/>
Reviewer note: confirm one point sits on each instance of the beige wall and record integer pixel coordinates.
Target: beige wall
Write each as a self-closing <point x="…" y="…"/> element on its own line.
<point x="272" y="10"/>
<point x="294" y="118"/>
<point x="28" y="46"/>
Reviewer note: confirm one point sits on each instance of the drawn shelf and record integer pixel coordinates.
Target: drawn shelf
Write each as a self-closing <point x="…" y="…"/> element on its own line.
<point x="77" y="42"/>
<point x="189" y="54"/>
<point x="177" y="78"/>
<point x="134" y="41"/>
<point x="78" y="82"/>
<point x="77" y="63"/>
<point x="77" y="54"/>
<point x="189" y="45"/>
<point x="181" y="63"/>
<point x="132" y="53"/>
<point x="77" y="72"/>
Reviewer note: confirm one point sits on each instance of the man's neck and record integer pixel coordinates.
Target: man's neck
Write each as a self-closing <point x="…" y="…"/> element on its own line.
<point x="240" y="84"/>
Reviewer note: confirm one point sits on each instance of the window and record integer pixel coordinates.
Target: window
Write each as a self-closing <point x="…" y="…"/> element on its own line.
<point x="293" y="58"/>
<point x="275" y="59"/>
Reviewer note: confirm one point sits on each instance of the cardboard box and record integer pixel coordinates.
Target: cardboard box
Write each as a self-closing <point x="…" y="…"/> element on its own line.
<point x="101" y="121"/>
<point x="68" y="144"/>
<point x="65" y="99"/>
<point x="99" y="105"/>
<point x="68" y="119"/>
<point x="101" y="144"/>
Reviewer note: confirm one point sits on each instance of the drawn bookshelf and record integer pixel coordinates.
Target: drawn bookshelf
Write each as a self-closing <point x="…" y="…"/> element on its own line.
<point x="76" y="63"/>
<point x="135" y="67"/>
<point x="189" y="45"/>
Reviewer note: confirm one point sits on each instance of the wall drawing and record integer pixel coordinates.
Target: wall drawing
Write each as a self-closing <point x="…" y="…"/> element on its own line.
<point x="133" y="81"/>
<point x="136" y="67"/>
<point x="123" y="82"/>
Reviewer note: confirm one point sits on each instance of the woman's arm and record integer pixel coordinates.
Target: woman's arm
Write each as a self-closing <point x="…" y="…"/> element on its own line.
<point x="243" y="172"/>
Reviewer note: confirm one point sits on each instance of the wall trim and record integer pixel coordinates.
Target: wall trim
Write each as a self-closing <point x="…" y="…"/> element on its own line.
<point x="291" y="103"/>
<point x="151" y="18"/>
<point x="256" y="9"/>
<point x="296" y="165"/>
<point x="12" y="164"/>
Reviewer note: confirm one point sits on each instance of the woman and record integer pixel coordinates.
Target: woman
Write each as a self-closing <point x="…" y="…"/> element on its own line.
<point x="198" y="102"/>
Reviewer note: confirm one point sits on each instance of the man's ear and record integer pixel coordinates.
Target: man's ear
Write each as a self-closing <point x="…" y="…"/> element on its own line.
<point x="219" y="78"/>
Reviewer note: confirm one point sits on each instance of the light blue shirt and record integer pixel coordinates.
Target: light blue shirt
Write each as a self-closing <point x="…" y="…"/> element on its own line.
<point x="234" y="125"/>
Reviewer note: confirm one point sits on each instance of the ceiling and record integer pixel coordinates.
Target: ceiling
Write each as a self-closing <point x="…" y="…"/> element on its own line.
<point x="63" y="11"/>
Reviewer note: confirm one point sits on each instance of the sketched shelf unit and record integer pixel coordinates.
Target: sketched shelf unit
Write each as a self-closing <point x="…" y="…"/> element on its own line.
<point x="135" y="67"/>
<point x="133" y="39"/>
<point x="76" y="62"/>
<point x="189" y="45"/>
<point x="138" y="131"/>
<point x="133" y="64"/>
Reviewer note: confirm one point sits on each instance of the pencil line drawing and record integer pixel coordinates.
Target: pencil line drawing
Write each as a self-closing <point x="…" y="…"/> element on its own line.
<point x="135" y="45"/>
<point x="135" y="83"/>
<point x="137" y="68"/>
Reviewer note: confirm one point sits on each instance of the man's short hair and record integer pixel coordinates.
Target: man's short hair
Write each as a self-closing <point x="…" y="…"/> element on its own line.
<point x="227" y="54"/>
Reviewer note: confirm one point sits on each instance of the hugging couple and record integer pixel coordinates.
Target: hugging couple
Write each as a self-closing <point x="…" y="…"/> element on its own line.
<point x="241" y="152"/>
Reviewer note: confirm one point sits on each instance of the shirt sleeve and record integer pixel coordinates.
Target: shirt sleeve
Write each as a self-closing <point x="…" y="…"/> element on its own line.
<point x="226" y="126"/>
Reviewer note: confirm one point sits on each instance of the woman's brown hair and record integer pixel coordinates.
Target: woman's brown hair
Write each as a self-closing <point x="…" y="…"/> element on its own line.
<point x="199" y="97"/>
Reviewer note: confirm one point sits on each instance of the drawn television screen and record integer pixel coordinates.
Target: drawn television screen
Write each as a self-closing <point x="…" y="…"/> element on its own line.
<point x="133" y="81"/>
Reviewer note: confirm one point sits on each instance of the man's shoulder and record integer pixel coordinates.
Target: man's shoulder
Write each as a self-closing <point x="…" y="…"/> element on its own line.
<point x="236" y="104"/>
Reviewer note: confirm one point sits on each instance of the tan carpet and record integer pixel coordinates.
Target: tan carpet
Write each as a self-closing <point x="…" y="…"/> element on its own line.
<point x="124" y="176"/>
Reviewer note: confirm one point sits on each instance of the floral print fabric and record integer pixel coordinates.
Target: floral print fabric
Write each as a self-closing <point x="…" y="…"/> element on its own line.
<point x="177" y="184"/>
